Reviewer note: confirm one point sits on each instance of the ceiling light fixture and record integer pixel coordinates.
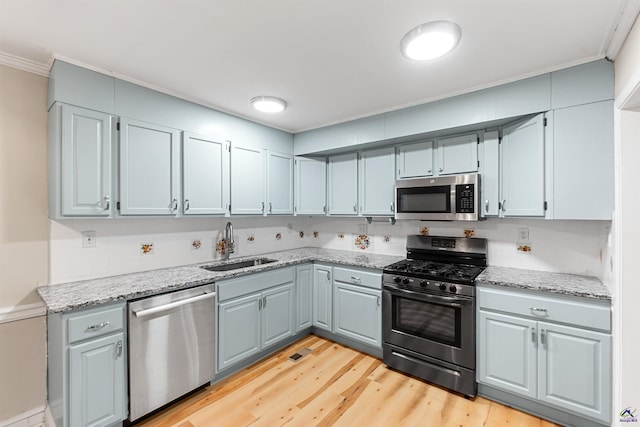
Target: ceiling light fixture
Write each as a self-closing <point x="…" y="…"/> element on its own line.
<point x="430" y="40"/>
<point x="268" y="104"/>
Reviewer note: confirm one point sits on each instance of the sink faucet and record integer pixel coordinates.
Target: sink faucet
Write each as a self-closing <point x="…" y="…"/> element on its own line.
<point x="228" y="240"/>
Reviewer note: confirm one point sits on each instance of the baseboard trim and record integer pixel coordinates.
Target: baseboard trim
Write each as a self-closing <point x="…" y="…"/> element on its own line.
<point x="21" y="312"/>
<point x="48" y="418"/>
<point x="19" y="419"/>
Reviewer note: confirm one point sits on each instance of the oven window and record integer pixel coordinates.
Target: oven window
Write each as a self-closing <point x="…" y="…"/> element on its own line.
<point x="426" y="320"/>
<point x="436" y="199"/>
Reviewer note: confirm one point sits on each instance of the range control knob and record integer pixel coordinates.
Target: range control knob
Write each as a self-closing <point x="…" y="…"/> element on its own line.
<point x="453" y="288"/>
<point x="405" y="281"/>
<point x="423" y="283"/>
<point x="443" y="287"/>
<point x="396" y="279"/>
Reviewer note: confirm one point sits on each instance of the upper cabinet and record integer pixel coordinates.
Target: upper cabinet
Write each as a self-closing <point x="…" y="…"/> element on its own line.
<point x="415" y="160"/>
<point x="149" y="164"/>
<point x="490" y="174"/>
<point x="310" y="186"/>
<point x="377" y="179"/>
<point x="80" y="151"/>
<point x="522" y="168"/>
<point x="205" y="175"/>
<point x="457" y="155"/>
<point x="247" y="180"/>
<point x="343" y="184"/>
<point x="279" y="183"/>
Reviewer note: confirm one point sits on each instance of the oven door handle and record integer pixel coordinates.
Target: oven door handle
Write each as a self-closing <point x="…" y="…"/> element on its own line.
<point x="452" y="301"/>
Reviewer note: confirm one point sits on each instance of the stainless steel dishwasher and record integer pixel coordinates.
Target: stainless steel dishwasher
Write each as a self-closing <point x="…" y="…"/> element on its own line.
<point x="171" y="347"/>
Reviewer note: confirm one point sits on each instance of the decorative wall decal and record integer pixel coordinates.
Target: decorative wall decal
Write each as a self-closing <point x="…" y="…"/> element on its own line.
<point x="341" y="236"/>
<point x="146" y="248"/>
<point x="468" y="232"/>
<point x="301" y="234"/>
<point x="362" y="241"/>
<point x="316" y="234"/>
<point x="220" y="247"/>
<point x="278" y="236"/>
<point x="386" y="238"/>
<point x="251" y="238"/>
<point x="424" y="231"/>
<point x="196" y="244"/>
<point x="524" y="248"/>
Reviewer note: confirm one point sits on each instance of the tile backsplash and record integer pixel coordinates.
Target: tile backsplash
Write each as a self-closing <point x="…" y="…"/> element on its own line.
<point x="563" y="246"/>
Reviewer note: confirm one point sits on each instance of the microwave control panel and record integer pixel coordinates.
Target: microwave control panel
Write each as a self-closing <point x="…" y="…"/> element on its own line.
<point x="465" y="199"/>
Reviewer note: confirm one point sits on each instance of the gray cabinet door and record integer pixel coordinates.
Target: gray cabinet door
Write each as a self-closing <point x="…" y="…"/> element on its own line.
<point x="97" y="393"/>
<point x="415" y="160"/>
<point x="311" y="186"/>
<point x="343" y="184"/>
<point x="304" y="296"/>
<point x="279" y="184"/>
<point x="149" y="169"/>
<point x="248" y="185"/>
<point x="357" y="313"/>
<point x="522" y="168"/>
<point x="575" y="369"/>
<point x="377" y="180"/>
<point x="322" y="297"/>
<point x="458" y="154"/>
<point x="277" y="314"/>
<point x="507" y="356"/>
<point x="205" y="175"/>
<point x="583" y="162"/>
<point x="86" y="162"/>
<point x="238" y="330"/>
<point x="490" y="174"/>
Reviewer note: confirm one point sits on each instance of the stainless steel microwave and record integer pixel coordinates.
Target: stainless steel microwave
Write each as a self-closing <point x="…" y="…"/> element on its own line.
<point x="441" y="198"/>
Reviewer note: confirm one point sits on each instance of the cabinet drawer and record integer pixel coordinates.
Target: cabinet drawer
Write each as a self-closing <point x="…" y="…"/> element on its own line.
<point x="94" y="323"/>
<point x="572" y="311"/>
<point x="368" y="278"/>
<point x="251" y="283"/>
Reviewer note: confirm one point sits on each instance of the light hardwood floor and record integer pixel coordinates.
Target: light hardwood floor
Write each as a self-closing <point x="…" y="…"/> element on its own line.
<point x="332" y="386"/>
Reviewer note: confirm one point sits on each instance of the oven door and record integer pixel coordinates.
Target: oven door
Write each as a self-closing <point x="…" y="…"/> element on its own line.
<point x="438" y="326"/>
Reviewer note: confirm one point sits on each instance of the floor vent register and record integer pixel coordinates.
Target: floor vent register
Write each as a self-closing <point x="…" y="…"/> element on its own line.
<point x="299" y="354"/>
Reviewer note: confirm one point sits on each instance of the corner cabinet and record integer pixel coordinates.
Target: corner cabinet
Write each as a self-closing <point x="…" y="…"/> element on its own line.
<point x="149" y="169"/>
<point x="559" y="350"/>
<point x="80" y="152"/>
<point x="86" y="366"/>
<point x="322" y="297"/>
<point x="205" y="175"/>
<point x="304" y="297"/>
<point x="254" y="313"/>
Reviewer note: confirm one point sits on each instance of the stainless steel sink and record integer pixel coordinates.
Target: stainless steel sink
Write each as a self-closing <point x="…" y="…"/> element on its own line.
<point x="238" y="264"/>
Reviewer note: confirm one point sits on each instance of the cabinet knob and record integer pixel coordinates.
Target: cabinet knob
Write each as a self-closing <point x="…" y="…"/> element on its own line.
<point x="440" y="170"/>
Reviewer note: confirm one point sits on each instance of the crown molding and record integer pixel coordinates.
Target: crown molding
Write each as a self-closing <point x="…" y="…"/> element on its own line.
<point x="24" y="64"/>
<point x="625" y="21"/>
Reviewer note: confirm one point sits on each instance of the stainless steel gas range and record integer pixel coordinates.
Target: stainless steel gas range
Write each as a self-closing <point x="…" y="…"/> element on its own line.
<point x="428" y="310"/>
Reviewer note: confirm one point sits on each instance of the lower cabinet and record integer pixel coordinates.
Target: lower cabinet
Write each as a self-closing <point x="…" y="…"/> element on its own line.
<point x="254" y="312"/>
<point x="304" y="296"/>
<point x="357" y="305"/>
<point x="322" y="296"/>
<point x="547" y="361"/>
<point x="86" y="366"/>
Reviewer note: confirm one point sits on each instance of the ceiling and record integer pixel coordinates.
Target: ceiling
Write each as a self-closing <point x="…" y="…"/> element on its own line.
<point x="331" y="60"/>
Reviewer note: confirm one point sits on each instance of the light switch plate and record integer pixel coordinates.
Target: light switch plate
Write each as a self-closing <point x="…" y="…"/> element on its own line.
<point x="88" y="239"/>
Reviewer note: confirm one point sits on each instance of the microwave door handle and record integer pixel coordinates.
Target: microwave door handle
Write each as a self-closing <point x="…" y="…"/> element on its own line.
<point x="452" y="301"/>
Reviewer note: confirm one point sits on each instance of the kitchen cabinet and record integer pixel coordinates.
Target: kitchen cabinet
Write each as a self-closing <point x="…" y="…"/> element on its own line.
<point x="377" y="182"/>
<point x="415" y="160"/>
<point x="80" y="152"/>
<point x="304" y="297"/>
<point x="343" y="184"/>
<point x="149" y="169"/>
<point x="583" y="162"/>
<point x="205" y="175"/>
<point x="457" y="154"/>
<point x="357" y="307"/>
<point x="247" y="180"/>
<point x="522" y="168"/>
<point x="322" y="297"/>
<point x="254" y="313"/>
<point x="490" y="174"/>
<point x="310" y="186"/>
<point x="559" y="350"/>
<point x="279" y="183"/>
<point x="86" y="366"/>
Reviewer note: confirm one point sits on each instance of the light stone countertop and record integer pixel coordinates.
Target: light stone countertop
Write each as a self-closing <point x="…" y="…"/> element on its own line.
<point x="75" y="295"/>
<point x="557" y="283"/>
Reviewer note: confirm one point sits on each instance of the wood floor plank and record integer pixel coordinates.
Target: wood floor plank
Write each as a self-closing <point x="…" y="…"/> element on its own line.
<point x="333" y="385"/>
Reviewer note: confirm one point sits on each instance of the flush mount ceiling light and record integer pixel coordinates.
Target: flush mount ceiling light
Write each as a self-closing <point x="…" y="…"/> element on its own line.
<point x="430" y="40"/>
<point x="268" y="104"/>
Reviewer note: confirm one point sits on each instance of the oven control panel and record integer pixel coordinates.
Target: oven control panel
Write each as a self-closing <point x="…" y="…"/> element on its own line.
<point x="426" y="285"/>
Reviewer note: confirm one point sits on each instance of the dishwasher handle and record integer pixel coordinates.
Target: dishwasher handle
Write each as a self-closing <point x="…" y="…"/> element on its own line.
<point x="165" y="307"/>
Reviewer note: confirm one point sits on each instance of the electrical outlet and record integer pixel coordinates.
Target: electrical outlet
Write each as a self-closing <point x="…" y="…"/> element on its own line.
<point x="88" y="239"/>
<point x="523" y="234"/>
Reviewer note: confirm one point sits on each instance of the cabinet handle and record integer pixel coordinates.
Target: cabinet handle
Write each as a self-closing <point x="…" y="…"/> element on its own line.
<point x="354" y="208"/>
<point x="391" y="206"/>
<point x="264" y="302"/>
<point x="262" y="207"/>
<point x="378" y="300"/>
<point x="542" y="336"/>
<point x="502" y="204"/>
<point x="356" y="279"/>
<point x="486" y="205"/>
<point x="533" y="335"/>
<point x="538" y="309"/>
<point x="440" y="170"/>
<point x="97" y="326"/>
<point x="107" y="203"/>
<point x="324" y="209"/>
<point x="174" y="205"/>
<point x="270" y="207"/>
<point x="186" y="204"/>
<point x="328" y="276"/>
<point x="428" y="170"/>
<point x="260" y="304"/>
<point x="119" y="349"/>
